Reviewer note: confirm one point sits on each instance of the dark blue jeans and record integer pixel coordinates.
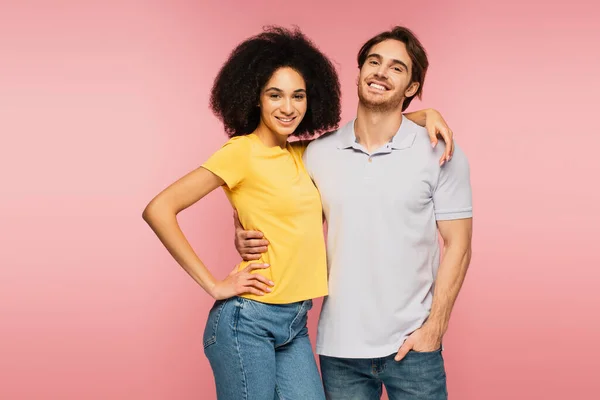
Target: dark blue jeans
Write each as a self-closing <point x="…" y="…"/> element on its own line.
<point x="419" y="376"/>
<point x="261" y="351"/>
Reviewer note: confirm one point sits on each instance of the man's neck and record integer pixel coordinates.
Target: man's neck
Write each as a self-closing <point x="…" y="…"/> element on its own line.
<point x="375" y="129"/>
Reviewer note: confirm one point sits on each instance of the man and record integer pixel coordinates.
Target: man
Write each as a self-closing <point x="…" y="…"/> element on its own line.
<point x="385" y="198"/>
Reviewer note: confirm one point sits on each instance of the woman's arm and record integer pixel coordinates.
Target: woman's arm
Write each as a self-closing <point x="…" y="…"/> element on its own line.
<point x="435" y="124"/>
<point x="161" y="215"/>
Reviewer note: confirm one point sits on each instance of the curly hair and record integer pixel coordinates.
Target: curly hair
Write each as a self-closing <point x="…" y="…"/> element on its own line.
<point x="236" y="90"/>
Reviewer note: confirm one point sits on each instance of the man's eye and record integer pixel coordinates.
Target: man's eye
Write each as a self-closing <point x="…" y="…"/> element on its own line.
<point x="373" y="62"/>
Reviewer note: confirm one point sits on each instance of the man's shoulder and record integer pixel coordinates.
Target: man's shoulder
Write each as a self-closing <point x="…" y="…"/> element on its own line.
<point x="329" y="140"/>
<point x="422" y="142"/>
<point x="421" y="135"/>
<point x="325" y="140"/>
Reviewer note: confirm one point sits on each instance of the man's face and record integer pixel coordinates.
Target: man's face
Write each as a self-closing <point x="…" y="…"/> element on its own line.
<point x="384" y="80"/>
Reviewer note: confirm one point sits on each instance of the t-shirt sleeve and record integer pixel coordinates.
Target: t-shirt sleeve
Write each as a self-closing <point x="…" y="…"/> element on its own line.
<point x="230" y="161"/>
<point x="452" y="197"/>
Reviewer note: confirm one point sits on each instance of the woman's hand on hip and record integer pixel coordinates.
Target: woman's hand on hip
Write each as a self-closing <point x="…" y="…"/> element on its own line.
<point x="242" y="282"/>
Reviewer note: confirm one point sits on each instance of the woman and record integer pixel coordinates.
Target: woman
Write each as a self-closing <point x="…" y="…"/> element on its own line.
<point x="273" y="86"/>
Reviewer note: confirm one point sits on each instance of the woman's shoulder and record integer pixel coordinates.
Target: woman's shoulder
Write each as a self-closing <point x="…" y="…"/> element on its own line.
<point x="299" y="146"/>
<point x="237" y="144"/>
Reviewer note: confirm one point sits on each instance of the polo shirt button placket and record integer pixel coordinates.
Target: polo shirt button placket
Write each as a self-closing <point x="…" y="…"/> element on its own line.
<point x="369" y="167"/>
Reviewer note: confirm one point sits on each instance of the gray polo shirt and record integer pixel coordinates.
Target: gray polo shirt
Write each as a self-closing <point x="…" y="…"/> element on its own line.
<point x="382" y="241"/>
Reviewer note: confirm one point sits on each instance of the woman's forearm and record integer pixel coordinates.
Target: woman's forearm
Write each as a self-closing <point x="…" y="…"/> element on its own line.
<point x="164" y="224"/>
<point x="418" y="117"/>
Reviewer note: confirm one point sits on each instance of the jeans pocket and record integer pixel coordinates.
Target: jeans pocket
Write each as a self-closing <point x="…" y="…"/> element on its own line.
<point x="212" y="323"/>
<point x="427" y="352"/>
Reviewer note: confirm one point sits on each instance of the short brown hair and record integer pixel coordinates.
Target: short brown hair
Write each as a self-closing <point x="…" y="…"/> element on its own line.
<point x="415" y="50"/>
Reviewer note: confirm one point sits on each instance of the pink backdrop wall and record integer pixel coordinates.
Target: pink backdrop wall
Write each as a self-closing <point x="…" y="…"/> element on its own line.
<point x="102" y="104"/>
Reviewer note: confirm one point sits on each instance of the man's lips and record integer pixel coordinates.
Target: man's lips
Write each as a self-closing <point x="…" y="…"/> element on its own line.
<point x="378" y="86"/>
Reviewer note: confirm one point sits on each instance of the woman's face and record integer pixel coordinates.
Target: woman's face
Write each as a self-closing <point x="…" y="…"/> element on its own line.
<point x="283" y="101"/>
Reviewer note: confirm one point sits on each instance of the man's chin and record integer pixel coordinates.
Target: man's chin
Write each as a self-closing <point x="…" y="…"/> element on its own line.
<point x="379" y="104"/>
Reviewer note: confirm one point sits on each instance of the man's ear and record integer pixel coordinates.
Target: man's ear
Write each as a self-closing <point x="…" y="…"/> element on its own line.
<point x="411" y="90"/>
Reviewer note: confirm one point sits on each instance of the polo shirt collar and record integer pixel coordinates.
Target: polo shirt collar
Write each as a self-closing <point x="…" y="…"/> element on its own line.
<point x="347" y="137"/>
<point x="403" y="139"/>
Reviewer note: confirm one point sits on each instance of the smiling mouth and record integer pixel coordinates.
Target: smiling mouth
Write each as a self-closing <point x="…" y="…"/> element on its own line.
<point x="286" y="120"/>
<point x="377" y="86"/>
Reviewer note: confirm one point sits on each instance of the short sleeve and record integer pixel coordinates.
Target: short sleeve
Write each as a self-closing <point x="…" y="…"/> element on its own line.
<point x="230" y="161"/>
<point x="452" y="197"/>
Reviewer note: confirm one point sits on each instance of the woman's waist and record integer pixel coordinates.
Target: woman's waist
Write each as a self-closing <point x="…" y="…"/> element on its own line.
<point x="289" y="237"/>
<point x="286" y="262"/>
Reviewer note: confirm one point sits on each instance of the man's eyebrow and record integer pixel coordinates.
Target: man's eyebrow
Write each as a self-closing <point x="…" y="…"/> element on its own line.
<point x="401" y="63"/>
<point x="395" y="61"/>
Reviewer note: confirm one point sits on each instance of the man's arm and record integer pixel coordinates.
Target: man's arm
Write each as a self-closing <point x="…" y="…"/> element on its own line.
<point x="453" y="269"/>
<point x="249" y="244"/>
<point x="451" y="274"/>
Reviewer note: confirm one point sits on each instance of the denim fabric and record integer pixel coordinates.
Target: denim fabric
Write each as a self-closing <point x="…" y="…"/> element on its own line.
<point x="419" y="376"/>
<point x="261" y="351"/>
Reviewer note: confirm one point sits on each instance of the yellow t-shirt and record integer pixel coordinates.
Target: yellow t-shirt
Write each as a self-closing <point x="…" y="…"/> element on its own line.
<point x="274" y="194"/>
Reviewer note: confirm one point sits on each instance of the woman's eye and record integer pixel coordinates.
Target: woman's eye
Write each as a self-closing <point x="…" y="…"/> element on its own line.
<point x="299" y="97"/>
<point x="274" y="96"/>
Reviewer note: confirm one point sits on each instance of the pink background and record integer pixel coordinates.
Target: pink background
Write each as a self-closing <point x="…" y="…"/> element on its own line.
<point x="102" y="104"/>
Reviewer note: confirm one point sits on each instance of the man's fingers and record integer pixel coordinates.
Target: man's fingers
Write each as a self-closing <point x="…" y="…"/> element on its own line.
<point x="256" y="242"/>
<point x="236" y="220"/>
<point x="251" y="235"/>
<point x="255" y="250"/>
<point x="251" y="257"/>
<point x="403" y="351"/>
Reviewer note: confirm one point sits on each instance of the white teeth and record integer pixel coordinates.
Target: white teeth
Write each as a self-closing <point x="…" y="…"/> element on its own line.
<point x="286" y="120"/>
<point x="376" y="86"/>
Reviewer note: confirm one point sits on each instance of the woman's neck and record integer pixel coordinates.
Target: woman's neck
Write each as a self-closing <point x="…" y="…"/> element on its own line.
<point x="270" y="138"/>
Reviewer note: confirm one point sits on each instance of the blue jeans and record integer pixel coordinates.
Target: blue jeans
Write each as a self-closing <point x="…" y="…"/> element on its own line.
<point x="261" y="351"/>
<point x="417" y="376"/>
